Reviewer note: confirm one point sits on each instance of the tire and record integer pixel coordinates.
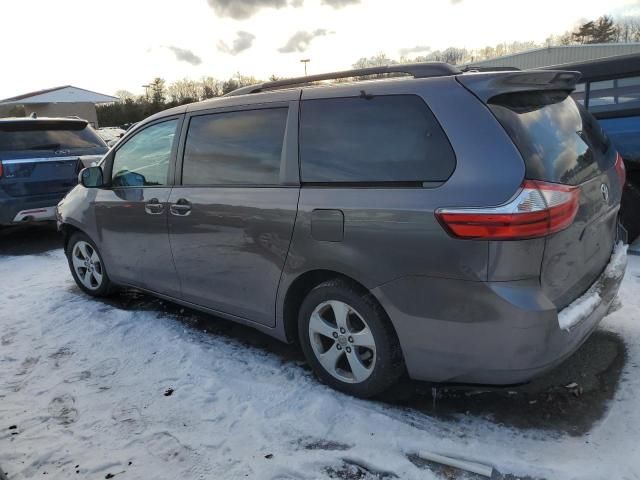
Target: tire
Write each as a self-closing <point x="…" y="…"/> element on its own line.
<point x="80" y="248"/>
<point x="351" y="365"/>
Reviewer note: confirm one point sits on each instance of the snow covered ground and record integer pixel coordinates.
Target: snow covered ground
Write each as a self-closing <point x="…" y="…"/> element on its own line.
<point x="84" y="393"/>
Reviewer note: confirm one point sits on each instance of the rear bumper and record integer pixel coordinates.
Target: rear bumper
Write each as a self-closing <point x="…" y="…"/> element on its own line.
<point x="32" y="208"/>
<point x="493" y="333"/>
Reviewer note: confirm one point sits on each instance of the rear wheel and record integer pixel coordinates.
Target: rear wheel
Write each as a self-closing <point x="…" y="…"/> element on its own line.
<point x="87" y="267"/>
<point x="348" y="340"/>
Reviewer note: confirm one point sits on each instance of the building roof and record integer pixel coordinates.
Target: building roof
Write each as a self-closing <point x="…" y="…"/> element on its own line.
<point x="546" y="56"/>
<point x="63" y="94"/>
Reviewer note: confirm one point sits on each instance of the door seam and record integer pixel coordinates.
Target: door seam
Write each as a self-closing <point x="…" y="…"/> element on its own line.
<point x="173" y="260"/>
<point x="286" y="258"/>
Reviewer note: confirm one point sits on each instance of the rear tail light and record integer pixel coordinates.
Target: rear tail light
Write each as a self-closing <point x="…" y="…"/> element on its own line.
<point x="539" y="209"/>
<point x="621" y="170"/>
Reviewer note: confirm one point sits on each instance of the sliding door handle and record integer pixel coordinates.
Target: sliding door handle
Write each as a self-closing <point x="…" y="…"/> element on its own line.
<point x="154" y="207"/>
<point x="181" y="208"/>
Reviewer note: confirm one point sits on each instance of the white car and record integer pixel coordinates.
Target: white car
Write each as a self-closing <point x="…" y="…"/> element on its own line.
<point x="110" y="135"/>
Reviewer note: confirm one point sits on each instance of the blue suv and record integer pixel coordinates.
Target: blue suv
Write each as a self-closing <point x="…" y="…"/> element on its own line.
<point x="39" y="163"/>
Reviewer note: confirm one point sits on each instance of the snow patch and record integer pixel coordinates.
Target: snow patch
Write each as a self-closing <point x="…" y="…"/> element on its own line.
<point x="84" y="385"/>
<point x="585" y="305"/>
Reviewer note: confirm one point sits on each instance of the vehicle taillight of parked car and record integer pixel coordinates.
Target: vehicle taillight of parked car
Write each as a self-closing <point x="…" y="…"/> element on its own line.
<point x="621" y="170"/>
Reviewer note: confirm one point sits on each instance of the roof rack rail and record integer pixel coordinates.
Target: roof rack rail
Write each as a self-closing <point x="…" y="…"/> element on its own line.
<point x="416" y="70"/>
<point x="471" y="68"/>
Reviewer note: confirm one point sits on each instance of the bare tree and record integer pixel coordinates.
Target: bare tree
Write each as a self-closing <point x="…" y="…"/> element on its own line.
<point x="627" y="29"/>
<point x="450" y="55"/>
<point x="209" y="87"/>
<point x="379" y="60"/>
<point x="125" y="95"/>
<point x="183" y="91"/>
<point x="238" y="81"/>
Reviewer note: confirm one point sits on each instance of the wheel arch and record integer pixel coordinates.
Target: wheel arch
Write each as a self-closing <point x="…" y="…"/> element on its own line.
<point x="302" y="285"/>
<point x="67" y="230"/>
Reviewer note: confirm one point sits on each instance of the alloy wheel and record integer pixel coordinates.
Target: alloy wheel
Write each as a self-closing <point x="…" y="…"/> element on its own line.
<point x="342" y="341"/>
<point x="87" y="265"/>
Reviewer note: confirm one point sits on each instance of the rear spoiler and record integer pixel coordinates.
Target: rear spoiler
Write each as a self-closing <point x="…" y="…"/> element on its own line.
<point x="487" y="85"/>
<point x="28" y="123"/>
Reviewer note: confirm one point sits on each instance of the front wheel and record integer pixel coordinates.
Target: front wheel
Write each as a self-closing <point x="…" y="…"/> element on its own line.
<point x="348" y="340"/>
<point x="87" y="267"/>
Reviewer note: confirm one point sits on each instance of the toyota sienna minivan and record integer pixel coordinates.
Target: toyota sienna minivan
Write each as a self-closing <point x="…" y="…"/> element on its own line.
<point x="459" y="227"/>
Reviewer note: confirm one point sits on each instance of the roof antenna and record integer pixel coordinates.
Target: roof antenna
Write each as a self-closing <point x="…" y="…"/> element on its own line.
<point x="33" y="115"/>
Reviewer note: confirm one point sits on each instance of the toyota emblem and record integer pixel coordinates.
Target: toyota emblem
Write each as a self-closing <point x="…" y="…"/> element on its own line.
<point x="605" y="192"/>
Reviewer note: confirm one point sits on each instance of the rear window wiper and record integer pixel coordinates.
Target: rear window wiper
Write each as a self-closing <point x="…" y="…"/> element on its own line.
<point x="45" y="146"/>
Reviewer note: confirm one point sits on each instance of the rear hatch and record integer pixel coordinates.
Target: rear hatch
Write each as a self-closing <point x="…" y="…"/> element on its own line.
<point x="561" y="143"/>
<point x="44" y="156"/>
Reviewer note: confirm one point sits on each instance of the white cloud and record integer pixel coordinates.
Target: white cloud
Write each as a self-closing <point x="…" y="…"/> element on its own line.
<point x="299" y="41"/>
<point x="185" y="55"/>
<point x="242" y="42"/>
<point x="107" y="63"/>
<point x="243" y="9"/>
<point x="339" y="3"/>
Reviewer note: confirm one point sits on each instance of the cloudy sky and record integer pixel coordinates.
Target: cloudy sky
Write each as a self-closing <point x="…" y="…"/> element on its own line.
<point x="106" y="45"/>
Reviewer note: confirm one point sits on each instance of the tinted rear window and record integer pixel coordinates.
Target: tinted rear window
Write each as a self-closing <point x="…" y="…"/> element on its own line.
<point x="392" y="138"/>
<point x="47" y="136"/>
<point x="235" y="148"/>
<point x="559" y="140"/>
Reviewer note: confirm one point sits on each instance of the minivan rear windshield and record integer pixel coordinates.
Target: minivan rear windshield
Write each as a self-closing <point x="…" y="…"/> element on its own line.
<point x="20" y="136"/>
<point x="559" y="140"/>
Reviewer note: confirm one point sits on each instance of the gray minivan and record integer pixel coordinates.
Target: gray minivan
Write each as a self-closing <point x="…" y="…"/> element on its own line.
<point x="454" y="226"/>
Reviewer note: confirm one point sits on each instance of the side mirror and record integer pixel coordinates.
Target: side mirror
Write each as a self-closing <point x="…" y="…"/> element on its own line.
<point x="91" y="177"/>
<point x="129" y="179"/>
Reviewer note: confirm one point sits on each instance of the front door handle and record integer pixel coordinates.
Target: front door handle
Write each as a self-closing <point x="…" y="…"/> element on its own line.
<point x="154" y="207"/>
<point x="181" y="208"/>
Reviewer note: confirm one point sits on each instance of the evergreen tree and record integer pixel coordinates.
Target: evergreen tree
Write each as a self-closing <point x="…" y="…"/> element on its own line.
<point x="158" y="91"/>
<point x="585" y="32"/>
<point x="604" y="30"/>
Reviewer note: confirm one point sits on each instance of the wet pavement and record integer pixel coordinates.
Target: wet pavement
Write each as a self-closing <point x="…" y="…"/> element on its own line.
<point x="567" y="400"/>
<point x="29" y="239"/>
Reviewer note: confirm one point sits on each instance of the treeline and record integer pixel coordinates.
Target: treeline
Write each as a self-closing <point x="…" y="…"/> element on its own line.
<point x="160" y="96"/>
<point x="605" y="29"/>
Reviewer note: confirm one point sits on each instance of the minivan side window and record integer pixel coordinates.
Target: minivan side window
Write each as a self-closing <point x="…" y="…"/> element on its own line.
<point x="235" y="148"/>
<point x="386" y="138"/>
<point x="144" y="159"/>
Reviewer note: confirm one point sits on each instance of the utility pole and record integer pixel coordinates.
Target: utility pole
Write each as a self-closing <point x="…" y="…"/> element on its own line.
<point x="305" y="61"/>
<point x="146" y="91"/>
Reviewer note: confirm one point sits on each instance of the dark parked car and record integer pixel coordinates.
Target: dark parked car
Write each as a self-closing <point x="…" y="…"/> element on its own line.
<point x="610" y="89"/>
<point x="39" y="163"/>
<point x="447" y="224"/>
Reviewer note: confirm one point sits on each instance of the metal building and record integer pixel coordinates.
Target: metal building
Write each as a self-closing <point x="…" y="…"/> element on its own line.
<point x="546" y="56"/>
<point x="65" y="101"/>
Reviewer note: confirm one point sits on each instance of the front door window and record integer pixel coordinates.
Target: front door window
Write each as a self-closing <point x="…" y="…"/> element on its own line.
<point x="143" y="161"/>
